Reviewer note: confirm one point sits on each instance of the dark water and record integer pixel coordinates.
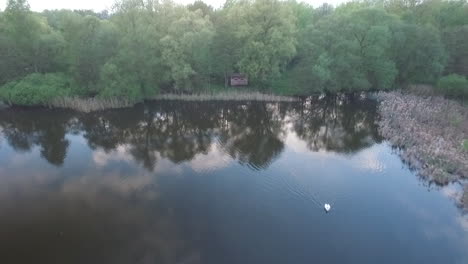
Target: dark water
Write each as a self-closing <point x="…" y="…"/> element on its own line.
<point x="219" y="182"/>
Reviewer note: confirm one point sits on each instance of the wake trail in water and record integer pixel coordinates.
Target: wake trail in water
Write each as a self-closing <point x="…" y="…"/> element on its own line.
<point x="299" y="190"/>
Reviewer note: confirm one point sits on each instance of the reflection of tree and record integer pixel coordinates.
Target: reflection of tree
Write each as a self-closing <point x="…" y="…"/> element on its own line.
<point x="24" y="129"/>
<point x="181" y="130"/>
<point x="341" y="124"/>
<point x="251" y="132"/>
<point x="178" y="131"/>
<point x="109" y="129"/>
<point x="172" y="130"/>
<point x="54" y="145"/>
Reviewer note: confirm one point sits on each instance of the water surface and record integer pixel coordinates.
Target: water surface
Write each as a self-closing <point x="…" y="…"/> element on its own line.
<point x="217" y="182"/>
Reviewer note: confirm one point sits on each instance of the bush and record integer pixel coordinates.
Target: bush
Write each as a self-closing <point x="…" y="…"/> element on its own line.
<point x="116" y="84"/>
<point x="453" y="85"/>
<point x="36" y="89"/>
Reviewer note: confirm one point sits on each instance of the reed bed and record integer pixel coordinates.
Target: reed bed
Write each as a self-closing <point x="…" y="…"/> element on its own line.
<point x="227" y="96"/>
<point x="89" y="104"/>
<point x="429" y="131"/>
<point x="94" y="104"/>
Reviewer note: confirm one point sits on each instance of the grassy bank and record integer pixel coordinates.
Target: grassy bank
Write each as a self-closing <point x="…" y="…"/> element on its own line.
<point x="97" y="104"/>
<point x="431" y="132"/>
<point x="88" y="104"/>
<point x="227" y="96"/>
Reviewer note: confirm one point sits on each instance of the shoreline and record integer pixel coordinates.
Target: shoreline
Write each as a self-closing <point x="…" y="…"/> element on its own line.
<point x="430" y="133"/>
<point x="88" y="105"/>
<point x="227" y="96"/>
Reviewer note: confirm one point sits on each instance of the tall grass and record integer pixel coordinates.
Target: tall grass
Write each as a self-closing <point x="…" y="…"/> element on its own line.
<point x="226" y="96"/>
<point x="96" y="104"/>
<point x="89" y="104"/>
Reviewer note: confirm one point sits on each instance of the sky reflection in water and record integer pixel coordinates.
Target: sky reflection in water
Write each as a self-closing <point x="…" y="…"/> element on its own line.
<point x="179" y="182"/>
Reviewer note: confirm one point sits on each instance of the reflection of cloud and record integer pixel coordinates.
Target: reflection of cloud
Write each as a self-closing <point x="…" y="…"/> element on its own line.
<point x="124" y="185"/>
<point x="428" y="219"/>
<point x="101" y="212"/>
<point x="101" y="209"/>
<point x="19" y="160"/>
<point x="296" y="144"/>
<point x="368" y="159"/>
<point x="215" y="159"/>
<point x="77" y="139"/>
<point x="121" y="153"/>
<point x="463" y="221"/>
<point x="166" y="166"/>
<point x="453" y="191"/>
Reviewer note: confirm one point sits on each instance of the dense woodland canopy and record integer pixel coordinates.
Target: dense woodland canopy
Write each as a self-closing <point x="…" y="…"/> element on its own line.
<point x="144" y="47"/>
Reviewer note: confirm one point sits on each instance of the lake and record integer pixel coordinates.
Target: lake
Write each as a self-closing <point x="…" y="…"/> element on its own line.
<point x="218" y="182"/>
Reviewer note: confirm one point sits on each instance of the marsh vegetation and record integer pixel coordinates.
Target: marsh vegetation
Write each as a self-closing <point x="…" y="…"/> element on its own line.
<point x="431" y="131"/>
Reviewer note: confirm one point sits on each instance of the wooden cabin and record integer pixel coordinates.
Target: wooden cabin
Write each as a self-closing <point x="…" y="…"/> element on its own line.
<point x="239" y="79"/>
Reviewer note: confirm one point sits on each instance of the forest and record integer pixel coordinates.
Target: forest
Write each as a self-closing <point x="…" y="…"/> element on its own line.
<point x="142" y="48"/>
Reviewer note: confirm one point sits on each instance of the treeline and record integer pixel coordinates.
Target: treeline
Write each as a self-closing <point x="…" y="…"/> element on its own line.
<point x="144" y="47"/>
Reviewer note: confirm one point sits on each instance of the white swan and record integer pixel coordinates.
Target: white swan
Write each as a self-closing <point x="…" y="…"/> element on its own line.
<point x="327" y="207"/>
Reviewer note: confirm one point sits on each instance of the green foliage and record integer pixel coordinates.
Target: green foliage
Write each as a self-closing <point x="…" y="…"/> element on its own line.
<point x="347" y="53"/>
<point x="205" y="9"/>
<point x="90" y="43"/>
<point x="465" y="145"/>
<point x="119" y="84"/>
<point x="27" y="43"/>
<point x="146" y="47"/>
<point x="256" y="38"/>
<point x="456" y="41"/>
<point x="453" y="85"/>
<point x="185" y="47"/>
<point x="36" y="89"/>
<point x="417" y="52"/>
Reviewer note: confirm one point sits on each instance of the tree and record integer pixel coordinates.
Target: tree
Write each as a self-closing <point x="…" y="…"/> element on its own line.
<point x="90" y="44"/>
<point x="264" y="34"/>
<point x="144" y="47"/>
<point x="369" y="28"/>
<point x="453" y="85"/>
<point x="347" y="52"/>
<point x="24" y="38"/>
<point x="185" y="47"/>
<point x="417" y="52"/>
<point x="456" y="42"/>
<point x="136" y="67"/>
<point x="205" y="9"/>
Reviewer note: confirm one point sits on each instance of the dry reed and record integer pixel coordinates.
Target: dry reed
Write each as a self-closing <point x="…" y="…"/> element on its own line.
<point x="94" y="104"/>
<point x="89" y="104"/>
<point x="227" y="96"/>
<point x="429" y="131"/>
